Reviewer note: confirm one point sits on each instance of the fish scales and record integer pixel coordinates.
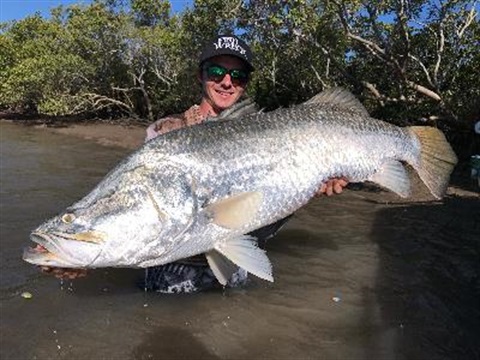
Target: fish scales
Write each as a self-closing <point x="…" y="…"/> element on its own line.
<point x="287" y="154"/>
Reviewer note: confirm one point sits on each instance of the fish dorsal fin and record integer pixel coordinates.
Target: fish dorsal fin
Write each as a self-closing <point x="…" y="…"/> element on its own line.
<point x="222" y="268"/>
<point x="340" y="98"/>
<point x="244" y="252"/>
<point x="393" y="176"/>
<point x="235" y="211"/>
<point x="241" y="109"/>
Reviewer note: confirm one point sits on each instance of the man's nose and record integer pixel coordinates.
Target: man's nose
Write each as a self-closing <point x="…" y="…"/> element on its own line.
<point x="227" y="81"/>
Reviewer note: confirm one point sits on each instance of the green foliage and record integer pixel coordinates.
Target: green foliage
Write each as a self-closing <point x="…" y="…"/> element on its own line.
<point x="407" y="60"/>
<point x="406" y="56"/>
<point x="296" y="44"/>
<point x="151" y="12"/>
<point x="40" y="68"/>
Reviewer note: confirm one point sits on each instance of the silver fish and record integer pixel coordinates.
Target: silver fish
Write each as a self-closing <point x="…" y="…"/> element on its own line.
<point x="201" y="189"/>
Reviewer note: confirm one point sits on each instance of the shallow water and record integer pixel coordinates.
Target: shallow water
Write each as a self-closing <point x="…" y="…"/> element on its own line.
<point x="354" y="279"/>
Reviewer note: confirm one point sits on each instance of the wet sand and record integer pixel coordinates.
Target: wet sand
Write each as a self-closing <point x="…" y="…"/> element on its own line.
<point x="129" y="137"/>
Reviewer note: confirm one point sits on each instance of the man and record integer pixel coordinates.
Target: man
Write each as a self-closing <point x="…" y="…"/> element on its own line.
<point x="224" y="70"/>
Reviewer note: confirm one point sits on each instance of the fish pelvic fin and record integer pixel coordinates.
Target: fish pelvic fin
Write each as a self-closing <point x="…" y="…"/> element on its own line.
<point x="222" y="268"/>
<point x="244" y="251"/>
<point x="393" y="176"/>
<point x="340" y="98"/>
<point x="235" y="211"/>
<point x="437" y="159"/>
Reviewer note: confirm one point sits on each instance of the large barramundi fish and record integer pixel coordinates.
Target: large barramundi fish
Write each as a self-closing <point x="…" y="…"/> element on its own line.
<point x="201" y="189"/>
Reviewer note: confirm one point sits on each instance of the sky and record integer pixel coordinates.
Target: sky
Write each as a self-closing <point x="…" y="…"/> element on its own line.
<point x="19" y="9"/>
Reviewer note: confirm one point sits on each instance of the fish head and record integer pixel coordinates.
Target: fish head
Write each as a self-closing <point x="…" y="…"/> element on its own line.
<point x="66" y="240"/>
<point x="124" y="225"/>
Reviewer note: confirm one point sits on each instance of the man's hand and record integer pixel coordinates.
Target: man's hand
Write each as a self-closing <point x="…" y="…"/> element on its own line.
<point x="332" y="186"/>
<point x="63" y="273"/>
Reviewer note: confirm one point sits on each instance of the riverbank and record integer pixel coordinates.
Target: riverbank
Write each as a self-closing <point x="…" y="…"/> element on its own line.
<point x="108" y="134"/>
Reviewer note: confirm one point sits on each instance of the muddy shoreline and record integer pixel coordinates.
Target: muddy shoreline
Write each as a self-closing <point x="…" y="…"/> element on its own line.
<point x="108" y="134"/>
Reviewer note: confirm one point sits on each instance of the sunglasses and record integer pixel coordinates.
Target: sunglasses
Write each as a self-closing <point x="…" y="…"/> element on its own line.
<point x="217" y="73"/>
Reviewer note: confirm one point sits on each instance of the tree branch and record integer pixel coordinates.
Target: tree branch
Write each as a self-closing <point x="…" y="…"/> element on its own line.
<point x="373" y="90"/>
<point x="440" y="50"/>
<point x="470" y="17"/>
<point x="424" y="69"/>
<point x="99" y="102"/>
<point x="317" y="75"/>
<point x="423" y="90"/>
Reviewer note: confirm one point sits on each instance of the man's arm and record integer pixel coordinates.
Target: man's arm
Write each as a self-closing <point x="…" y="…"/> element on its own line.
<point x="164" y="125"/>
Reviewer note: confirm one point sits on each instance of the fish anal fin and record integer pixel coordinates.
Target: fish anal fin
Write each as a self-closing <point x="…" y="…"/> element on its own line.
<point x="244" y="252"/>
<point x="393" y="176"/>
<point x="222" y="268"/>
<point x="235" y="211"/>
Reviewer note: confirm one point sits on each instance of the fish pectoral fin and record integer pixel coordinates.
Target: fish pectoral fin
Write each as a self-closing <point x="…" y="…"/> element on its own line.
<point x="222" y="268"/>
<point x="235" y="211"/>
<point x="244" y="252"/>
<point x="393" y="176"/>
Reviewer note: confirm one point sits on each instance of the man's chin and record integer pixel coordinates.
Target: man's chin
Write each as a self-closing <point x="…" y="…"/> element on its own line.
<point x="223" y="104"/>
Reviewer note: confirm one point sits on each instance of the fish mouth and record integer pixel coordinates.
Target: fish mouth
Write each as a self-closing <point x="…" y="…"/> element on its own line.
<point x="39" y="255"/>
<point x="49" y="252"/>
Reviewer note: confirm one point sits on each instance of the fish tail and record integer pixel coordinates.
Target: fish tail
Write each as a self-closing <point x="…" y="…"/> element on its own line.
<point x="437" y="159"/>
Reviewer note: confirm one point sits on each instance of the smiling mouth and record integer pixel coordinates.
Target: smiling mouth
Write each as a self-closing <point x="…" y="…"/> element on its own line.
<point x="223" y="93"/>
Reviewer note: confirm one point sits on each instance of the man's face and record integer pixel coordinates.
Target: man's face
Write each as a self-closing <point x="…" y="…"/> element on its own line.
<point x="220" y="92"/>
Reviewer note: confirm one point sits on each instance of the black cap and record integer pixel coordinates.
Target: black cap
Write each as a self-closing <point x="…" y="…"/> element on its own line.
<point x="227" y="45"/>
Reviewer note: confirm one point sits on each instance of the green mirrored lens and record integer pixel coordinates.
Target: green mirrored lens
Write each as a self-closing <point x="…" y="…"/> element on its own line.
<point x="238" y="74"/>
<point x="216" y="71"/>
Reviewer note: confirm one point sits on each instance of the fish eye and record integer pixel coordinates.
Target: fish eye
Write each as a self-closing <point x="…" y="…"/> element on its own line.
<point x="68" y="218"/>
